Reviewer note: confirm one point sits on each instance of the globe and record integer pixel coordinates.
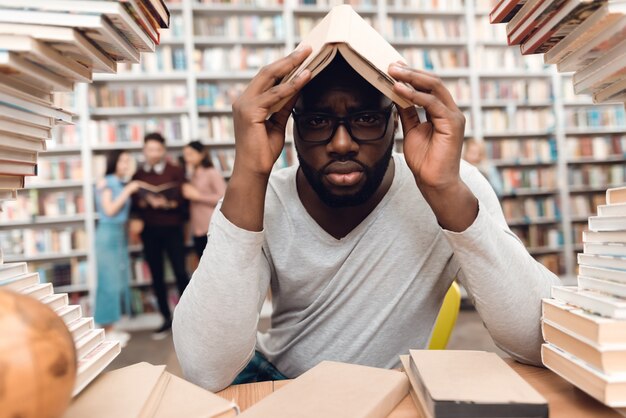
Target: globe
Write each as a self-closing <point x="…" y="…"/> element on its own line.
<point x="37" y="359"/>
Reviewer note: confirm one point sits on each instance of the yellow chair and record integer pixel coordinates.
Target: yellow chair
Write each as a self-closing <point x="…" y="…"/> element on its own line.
<point x="446" y="319"/>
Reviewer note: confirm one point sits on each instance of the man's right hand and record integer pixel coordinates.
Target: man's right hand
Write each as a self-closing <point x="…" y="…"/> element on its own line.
<point x="258" y="140"/>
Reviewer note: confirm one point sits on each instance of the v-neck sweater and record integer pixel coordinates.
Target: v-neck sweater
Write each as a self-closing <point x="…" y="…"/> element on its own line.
<point x="365" y="298"/>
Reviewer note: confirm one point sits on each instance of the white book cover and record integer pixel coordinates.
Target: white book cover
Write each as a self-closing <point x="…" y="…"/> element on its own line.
<point x="80" y="326"/>
<point x="20" y="282"/>
<point x="11" y="270"/>
<point x="604" y="261"/>
<point x="617" y="209"/>
<point x="603" y="286"/>
<point x="610" y="248"/>
<point x="70" y="313"/>
<point x="607" y="223"/>
<point x="56" y="301"/>
<point x="94" y="362"/>
<point x="603" y="273"/>
<point x="38" y="291"/>
<point x="599" y="303"/>
<point x="604" y="237"/>
<point x="88" y="342"/>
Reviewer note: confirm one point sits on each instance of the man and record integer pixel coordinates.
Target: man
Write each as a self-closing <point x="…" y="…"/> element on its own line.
<point x="162" y="210"/>
<point x="358" y="245"/>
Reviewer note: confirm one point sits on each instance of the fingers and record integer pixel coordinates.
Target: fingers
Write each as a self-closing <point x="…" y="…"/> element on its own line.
<point x="283" y="91"/>
<point x="409" y="118"/>
<point x="272" y="74"/>
<point x="424" y="82"/>
<point x="278" y="121"/>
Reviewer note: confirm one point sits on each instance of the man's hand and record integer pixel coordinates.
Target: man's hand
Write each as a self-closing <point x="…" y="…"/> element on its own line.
<point x="432" y="148"/>
<point x="258" y="140"/>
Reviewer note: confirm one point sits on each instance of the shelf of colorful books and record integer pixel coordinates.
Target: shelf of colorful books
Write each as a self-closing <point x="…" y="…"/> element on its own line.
<point x="598" y="160"/>
<point x="426" y="30"/>
<point x="513" y="104"/>
<point x="235" y="9"/>
<point x="41" y="221"/>
<point x="248" y="28"/>
<point x="531" y="150"/>
<point x="532" y="221"/>
<point x="321" y="11"/>
<point x="218" y="95"/>
<point x="428" y="43"/>
<point x="17" y="258"/>
<point x="528" y="210"/>
<point x="595" y="176"/>
<point x="243" y="61"/>
<point x="230" y="76"/>
<point x="592" y="189"/>
<point x="544" y="250"/>
<point x="584" y="205"/>
<point x="426" y="12"/>
<point x="107" y="133"/>
<point x="136" y="111"/>
<point x="596" y="149"/>
<point x="488" y="134"/>
<point x="208" y="40"/>
<point x="521" y="163"/>
<point x="534" y="191"/>
<point x="143" y="76"/>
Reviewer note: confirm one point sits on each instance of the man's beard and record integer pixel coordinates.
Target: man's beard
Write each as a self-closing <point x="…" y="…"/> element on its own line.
<point x="373" y="178"/>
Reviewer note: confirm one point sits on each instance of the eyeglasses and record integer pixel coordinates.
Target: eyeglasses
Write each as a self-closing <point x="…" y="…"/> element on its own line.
<point x="362" y="126"/>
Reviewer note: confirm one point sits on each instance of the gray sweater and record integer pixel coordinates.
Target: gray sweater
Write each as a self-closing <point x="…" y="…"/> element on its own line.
<point x="365" y="298"/>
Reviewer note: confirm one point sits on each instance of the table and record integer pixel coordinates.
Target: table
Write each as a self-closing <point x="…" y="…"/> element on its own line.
<point x="566" y="401"/>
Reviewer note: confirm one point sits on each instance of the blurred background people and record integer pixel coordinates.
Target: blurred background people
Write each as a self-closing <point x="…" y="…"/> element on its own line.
<point x="474" y="153"/>
<point x="205" y="188"/>
<point x="113" y="200"/>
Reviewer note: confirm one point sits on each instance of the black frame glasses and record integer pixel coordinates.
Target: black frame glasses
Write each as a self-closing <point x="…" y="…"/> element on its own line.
<point x="348" y="121"/>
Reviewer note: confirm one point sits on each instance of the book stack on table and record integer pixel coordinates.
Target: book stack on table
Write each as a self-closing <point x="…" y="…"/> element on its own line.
<point x="587" y="37"/>
<point x="585" y="325"/>
<point x="46" y="46"/>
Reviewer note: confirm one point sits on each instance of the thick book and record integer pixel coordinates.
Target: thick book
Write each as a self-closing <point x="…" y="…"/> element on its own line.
<point x="17" y="68"/>
<point x="603" y="261"/>
<point x="342" y="31"/>
<point x="609" y="390"/>
<point x="594" y="328"/>
<point x="616" y="195"/>
<point x="27" y="102"/>
<point x="472" y="384"/>
<point x="18" y="156"/>
<point x="605" y="305"/>
<point x="21" y="142"/>
<point x="594" y="47"/>
<point x="609" y="359"/>
<point x="88" y="342"/>
<point x="114" y="12"/>
<point x="504" y="10"/>
<point x="530" y="18"/>
<point x="606" y="16"/>
<point x="45" y="56"/>
<point x="604" y="236"/>
<point x="80" y="327"/>
<point x="158" y="10"/>
<point x="68" y="41"/>
<point x="11" y="182"/>
<point x="146" y="391"/>
<point x="602" y="273"/>
<point x="94" y="362"/>
<point x="334" y="390"/>
<point x="17" y="169"/>
<point x="20" y="282"/>
<point x="569" y="16"/>
<point x="613" y="249"/>
<point x="613" y="209"/>
<point x="603" y="72"/>
<point x="38" y="291"/>
<point x="56" y="301"/>
<point x="27" y="118"/>
<point x="96" y="28"/>
<point x="12" y="270"/>
<point x="16" y="128"/>
<point x="614" y="93"/>
<point x="607" y="223"/>
<point x="70" y="313"/>
<point x="601" y="285"/>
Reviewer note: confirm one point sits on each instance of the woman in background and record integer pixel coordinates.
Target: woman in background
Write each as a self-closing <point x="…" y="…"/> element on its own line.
<point x="205" y="188"/>
<point x="113" y="263"/>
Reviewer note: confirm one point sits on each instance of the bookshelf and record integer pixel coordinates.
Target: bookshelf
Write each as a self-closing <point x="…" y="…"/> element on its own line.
<point x="552" y="149"/>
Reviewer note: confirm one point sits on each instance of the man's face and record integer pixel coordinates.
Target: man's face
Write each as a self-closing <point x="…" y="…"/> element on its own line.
<point x="344" y="171"/>
<point x="154" y="152"/>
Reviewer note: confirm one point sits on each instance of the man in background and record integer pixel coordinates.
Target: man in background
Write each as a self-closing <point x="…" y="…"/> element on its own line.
<point x="162" y="210"/>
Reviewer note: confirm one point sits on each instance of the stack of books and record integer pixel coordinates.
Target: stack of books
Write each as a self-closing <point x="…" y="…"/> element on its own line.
<point x="93" y="351"/>
<point x="585" y="325"/>
<point x="45" y="47"/>
<point x="584" y="36"/>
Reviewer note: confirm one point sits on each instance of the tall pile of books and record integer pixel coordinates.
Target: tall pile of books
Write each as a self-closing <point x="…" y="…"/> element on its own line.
<point x="45" y="47"/>
<point x="48" y="45"/>
<point x="585" y="325"/>
<point x="584" y="36"/>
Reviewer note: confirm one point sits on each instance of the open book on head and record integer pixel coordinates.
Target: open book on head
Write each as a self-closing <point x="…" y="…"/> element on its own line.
<point x="343" y="31"/>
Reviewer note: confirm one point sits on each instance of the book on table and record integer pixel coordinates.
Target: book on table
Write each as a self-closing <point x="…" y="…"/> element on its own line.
<point x="455" y="383"/>
<point x="342" y="31"/>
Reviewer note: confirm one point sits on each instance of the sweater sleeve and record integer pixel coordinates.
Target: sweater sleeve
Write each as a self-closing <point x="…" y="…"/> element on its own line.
<point x="215" y="322"/>
<point x="504" y="281"/>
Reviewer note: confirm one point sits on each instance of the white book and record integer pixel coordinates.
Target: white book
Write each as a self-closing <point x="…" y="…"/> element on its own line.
<point x="21" y="116"/>
<point x="113" y="11"/>
<point x="610" y="390"/>
<point x="94" y="362"/>
<point x="88" y="342"/>
<point x="604" y="261"/>
<point x="607" y="223"/>
<point x="20" y="69"/>
<point x="80" y="326"/>
<point x="18" y="155"/>
<point x="604" y="17"/>
<point x="56" y="301"/>
<point x="68" y="41"/>
<point x="599" y="303"/>
<point x="22" y="142"/>
<point x="602" y="72"/>
<point x="602" y="273"/>
<point x="30" y="131"/>
<point x="70" y="313"/>
<point x="32" y="104"/>
<point x="95" y="27"/>
<point x="603" y="286"/>
<point x="38" y="291"/>
<point x="20" y="282"/>
<point x="612" y="249"/>
<point x="617" y="209"/>
<point x="45" y="56"/>
<point x="11" y="270"/>
<point x="604" y="236"/>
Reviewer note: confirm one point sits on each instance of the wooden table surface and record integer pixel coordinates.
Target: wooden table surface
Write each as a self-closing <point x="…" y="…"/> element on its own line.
<point x="566" y="401"/>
